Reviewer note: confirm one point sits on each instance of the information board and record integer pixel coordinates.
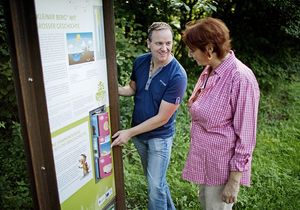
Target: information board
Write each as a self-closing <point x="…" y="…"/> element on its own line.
<point x="63" y="59"/>
<point x="74" y="66"/>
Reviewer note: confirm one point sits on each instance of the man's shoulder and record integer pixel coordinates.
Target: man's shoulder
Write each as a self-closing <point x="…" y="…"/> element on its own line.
<point x="143" y="57"/>
<point x="179" y="70"/>
<point x="142" y="62"/>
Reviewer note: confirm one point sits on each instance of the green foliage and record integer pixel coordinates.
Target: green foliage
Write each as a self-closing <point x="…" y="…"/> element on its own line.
<point x="127" y="49"/>
<point x="275" y="20"/>
<point x="7" y="93"/>
<point x="143" y="13"/>
<point x="269" y="68"/>
<point x="14" y="179"/>
<point x="134" y="17"/>
<point x="134" y="180"/>
<point x="265" y="36"/>
<point x="276" y="166"/>
<point x="14" y="186"/>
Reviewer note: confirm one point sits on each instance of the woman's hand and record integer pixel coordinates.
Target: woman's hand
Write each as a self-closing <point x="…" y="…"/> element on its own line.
<point x="232" y="187"/>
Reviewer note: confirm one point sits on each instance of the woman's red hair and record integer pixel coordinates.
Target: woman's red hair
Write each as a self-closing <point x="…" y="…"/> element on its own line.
<point x="208" y="31"/>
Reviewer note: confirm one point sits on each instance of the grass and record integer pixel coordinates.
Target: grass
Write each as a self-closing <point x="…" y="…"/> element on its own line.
<point x="276" y="160"/>
<point x="275" y="167"/>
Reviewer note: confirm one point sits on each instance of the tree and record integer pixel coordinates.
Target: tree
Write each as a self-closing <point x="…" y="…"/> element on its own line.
<point x="275" y="20"/>
<point x="133" y="18"/>
<point x="265" y="34"/>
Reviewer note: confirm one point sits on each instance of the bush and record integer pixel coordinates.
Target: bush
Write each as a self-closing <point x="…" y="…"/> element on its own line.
<point x="14" y="187"/>
<point x="14" y="179"/>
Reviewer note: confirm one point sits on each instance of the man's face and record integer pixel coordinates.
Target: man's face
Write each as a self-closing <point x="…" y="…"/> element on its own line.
<point x="161" y="45"/>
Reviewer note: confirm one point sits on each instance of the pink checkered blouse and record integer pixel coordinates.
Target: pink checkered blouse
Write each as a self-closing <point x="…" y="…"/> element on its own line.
<point x="223" y="109"/>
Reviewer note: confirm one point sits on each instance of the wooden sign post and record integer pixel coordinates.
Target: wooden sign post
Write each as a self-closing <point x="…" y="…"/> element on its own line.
<point x="63" y="57"/>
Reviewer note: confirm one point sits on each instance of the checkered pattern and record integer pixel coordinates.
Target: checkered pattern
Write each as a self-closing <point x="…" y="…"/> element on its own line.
<point x="223" y="128"/>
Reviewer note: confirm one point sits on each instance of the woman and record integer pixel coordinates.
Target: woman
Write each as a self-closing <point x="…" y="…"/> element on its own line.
<point x="223" y="108"/>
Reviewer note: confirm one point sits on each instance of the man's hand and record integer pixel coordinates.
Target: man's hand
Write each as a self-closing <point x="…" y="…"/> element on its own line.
<point x="128" y="90"/>
<point x="122" y="137"/>
<point x="231" y="190"/>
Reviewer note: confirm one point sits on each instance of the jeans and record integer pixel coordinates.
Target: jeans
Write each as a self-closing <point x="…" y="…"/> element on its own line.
<point x="155" y="157"/>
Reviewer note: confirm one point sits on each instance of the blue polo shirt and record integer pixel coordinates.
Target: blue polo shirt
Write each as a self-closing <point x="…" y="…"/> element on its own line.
<point x="168" y="84"/>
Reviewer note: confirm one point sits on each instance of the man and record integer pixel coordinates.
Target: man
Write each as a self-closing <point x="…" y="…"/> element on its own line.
<point x="158" y="83"/>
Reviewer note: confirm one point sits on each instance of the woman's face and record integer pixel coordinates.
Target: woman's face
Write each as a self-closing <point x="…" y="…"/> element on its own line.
<point x="199" y="56"/>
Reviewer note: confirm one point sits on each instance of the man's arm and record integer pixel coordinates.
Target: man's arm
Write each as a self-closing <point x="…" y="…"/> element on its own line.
<point x="128" y="90"/>
<point x="166" y="110"/>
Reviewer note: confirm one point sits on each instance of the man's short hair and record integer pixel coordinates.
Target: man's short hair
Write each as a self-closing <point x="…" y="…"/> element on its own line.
<point x="157" y="26"/>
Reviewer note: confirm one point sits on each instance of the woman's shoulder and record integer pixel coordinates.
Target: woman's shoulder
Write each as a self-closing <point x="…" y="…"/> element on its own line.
<point x="242" y="73"/>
